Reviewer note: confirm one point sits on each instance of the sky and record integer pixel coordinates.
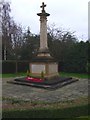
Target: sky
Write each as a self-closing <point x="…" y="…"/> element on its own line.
<point x="70" y="15"/>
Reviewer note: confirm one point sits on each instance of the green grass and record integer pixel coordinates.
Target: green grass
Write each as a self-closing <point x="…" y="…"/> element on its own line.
<point x="72" y="112"/>
<point x="18" y="108"/>
<point x="0" y="75"/>
<point x="13" y="75"/>
<point x="85" y="117"/>
<point x="62" y="74"/>
<point x="77" y="75"/>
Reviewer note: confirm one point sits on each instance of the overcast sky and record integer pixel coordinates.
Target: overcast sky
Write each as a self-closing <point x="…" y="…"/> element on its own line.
<point x="69" y="14"/>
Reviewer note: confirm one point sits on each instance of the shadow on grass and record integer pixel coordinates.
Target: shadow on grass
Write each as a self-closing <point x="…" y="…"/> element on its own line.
<point x="48" y="113"/>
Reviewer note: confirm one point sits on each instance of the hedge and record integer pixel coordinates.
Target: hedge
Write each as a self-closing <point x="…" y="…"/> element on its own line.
<point x="11" y="66"/>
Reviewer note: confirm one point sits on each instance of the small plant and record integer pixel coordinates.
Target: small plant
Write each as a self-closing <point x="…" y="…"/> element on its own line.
<point x="42" y="75"/>
<point x="28" y="73"/>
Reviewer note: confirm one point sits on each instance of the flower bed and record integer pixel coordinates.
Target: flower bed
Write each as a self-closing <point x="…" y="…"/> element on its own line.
<point x="34" y="79"/>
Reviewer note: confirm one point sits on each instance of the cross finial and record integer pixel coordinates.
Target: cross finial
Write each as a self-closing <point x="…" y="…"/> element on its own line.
<point x="43" y="6"/>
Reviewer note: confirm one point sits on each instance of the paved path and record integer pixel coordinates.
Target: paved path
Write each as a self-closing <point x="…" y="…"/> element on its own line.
<point x="69" y="92"/>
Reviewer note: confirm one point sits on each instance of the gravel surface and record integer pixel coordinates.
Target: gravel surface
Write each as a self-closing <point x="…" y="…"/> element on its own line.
<point x="70" y="92"/>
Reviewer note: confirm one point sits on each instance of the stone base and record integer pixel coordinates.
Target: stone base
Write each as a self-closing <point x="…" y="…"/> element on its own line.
<point x="48" y="83"/>
<point x="45" y="63"/>
<point x="49" y="69"/>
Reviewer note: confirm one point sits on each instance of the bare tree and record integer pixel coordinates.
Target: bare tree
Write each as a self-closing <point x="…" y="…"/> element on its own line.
<point x="6" y="35"/>
<point x="17" y="39"/>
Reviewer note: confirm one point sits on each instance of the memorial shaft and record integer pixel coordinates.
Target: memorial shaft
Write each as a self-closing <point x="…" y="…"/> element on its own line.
<point x="43" y="33"/>
<point x="43" y="62"/>
<point x="43" y="28"/>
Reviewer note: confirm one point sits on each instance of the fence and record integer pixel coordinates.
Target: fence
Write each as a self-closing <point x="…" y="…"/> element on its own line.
<point x="13" y="66"/>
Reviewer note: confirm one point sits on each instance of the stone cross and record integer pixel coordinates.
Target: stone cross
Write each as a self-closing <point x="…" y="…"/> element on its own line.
<point x="43" y="6"/>
<point x="43" y="29"/>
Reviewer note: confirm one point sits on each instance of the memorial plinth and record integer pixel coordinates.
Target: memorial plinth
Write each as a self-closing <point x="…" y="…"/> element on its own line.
<point x="46" y="66"/>
<point x="43" y="62"/>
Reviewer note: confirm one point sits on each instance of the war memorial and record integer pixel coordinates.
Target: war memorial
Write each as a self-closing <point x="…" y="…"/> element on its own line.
<point x="43" y="68"/>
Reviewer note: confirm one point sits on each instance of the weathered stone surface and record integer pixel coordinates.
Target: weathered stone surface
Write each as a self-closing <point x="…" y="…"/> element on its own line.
<point x="38" y="68"/>
<point x="70" y="92"/>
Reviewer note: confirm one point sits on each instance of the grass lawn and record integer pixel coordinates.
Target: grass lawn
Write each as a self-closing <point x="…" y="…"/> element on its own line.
<point x="72" y="112"/>
<point x="62" y="74"/>
<point x="13" y="75"/>
<point x="36" y="109"/>
<point x="77" y="75"/>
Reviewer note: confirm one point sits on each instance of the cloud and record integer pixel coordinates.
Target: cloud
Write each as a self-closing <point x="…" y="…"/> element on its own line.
<point x="70" y="14"/>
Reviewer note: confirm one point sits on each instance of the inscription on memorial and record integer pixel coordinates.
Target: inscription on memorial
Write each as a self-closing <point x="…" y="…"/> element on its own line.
<point x="37" y="68"/>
